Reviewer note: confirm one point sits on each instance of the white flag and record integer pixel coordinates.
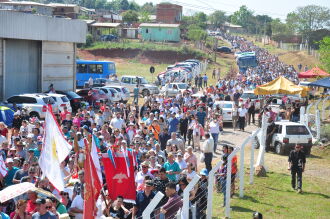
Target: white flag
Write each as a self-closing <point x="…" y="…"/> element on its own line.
<point x="55" y="150"/>
<point x="96" y="160"/>
<point x="3" y="168"/>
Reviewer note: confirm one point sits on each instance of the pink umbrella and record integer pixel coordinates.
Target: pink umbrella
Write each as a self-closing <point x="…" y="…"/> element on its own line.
<point x="15" y="190"/>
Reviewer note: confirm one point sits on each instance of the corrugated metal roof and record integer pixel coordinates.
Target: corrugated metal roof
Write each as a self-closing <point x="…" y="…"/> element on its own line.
<point x="106" y="24"/>
<point x="17" y="25"/>
<point x="158" y="25"/>
<point x="89" y="21"/>
<point x="25" y="3"/>
<point x="227" y="24"/>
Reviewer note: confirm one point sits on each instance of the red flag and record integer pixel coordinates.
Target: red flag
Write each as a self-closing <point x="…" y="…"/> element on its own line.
<point x="92" y="186"/>
<point x="118" y="181"/>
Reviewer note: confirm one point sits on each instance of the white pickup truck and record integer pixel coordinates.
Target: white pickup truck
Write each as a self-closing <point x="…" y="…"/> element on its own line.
<point x="130" y="82"/>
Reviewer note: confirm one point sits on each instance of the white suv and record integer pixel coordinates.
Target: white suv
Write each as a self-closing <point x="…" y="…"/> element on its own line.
<point x="287" y="134"/>
<point x="35" y="104"/>
<point x="61" y="101"/>
<point x="123" y="92"/>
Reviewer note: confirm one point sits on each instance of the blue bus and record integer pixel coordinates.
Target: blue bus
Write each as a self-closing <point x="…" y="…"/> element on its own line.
<point x="94" y="69"/>
<point x="245" y="60"/>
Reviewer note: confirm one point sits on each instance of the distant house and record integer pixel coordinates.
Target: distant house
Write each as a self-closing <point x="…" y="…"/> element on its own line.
<point x="160" y="32"/>
<point x="168" y="13"/>
<point x="27" y="7"/>
<point x="99" y="29"/>
<point x="130" y="33"/>
<point x="65" y="10"/>
<point x="232" y="28"/>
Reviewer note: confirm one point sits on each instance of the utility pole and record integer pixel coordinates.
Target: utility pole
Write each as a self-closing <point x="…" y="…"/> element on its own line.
<point x="215" y="46"/>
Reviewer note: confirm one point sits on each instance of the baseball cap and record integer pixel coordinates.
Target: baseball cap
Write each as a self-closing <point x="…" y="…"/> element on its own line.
<point x="9" y="160"/>
<point x="204" y="172"/>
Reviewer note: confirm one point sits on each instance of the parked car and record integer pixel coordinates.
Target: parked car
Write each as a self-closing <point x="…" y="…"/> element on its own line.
<point x="112" y="94"/>
<point x="287" y="134"/>
<point x="258" y="101"/>
<point x="130" y="83"/>
<point x="227" y="109"/>
<point x="123" y="92"/>
<point x="98" y="82"/>
<point x="172" y="89"/>
<point x="95" y="98"/>
<point x="35" y="104"/>
<point x="61" y="101"/>
<point x="74" y="98"/>
<point x="224" y="49"/>
<point x="109" y="37"/>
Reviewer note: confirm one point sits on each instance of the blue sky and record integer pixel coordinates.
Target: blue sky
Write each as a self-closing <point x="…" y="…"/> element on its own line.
<point x="273" y="8"/>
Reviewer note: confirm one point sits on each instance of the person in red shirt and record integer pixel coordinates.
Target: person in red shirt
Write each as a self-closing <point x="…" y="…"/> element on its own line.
<point x="233" y="171"/>
<point x="64" y="113"/>
<point x="3" y="129"/>
<point x="31" y="203"/>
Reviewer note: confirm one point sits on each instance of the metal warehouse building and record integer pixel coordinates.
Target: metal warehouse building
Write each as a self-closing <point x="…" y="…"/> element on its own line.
<point x="36" y="51"/>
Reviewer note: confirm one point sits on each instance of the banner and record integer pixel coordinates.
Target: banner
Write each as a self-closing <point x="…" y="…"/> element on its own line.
<point x="118" y="181"/>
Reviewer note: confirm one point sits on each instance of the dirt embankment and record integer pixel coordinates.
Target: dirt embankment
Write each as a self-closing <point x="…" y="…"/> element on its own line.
<point x="144" y="57"/>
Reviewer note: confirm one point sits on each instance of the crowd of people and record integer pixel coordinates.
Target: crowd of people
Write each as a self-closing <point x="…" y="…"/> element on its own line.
<point x="170" y="137"/>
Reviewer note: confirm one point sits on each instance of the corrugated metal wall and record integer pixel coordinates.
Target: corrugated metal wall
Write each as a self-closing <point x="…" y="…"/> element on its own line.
<point x="161" y="34"/>
<point x="22" y="67"/>
<point x="1" y="68"/>
<point x="58" y="65"/>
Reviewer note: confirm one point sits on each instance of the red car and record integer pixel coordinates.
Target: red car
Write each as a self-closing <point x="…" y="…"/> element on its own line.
<point x="93" y="96"/>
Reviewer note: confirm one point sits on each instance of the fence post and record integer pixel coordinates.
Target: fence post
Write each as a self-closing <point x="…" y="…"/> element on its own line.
<point x="193" y="211"/>
<point x="317" y="104"/>
<point x="190" y="186"/>
<point x="302" y="115"/>
<point x="210" y="189"/>
<point x="318" y="125"/>
<point x="253" y="146"/>
<point x="152" y="205"/>
<point x="323" y="107"/>
<point x="307" y="114"/>
<point x="241" y="166"/>
<point x="262" y="141"/>
<point x="228" y="181"/>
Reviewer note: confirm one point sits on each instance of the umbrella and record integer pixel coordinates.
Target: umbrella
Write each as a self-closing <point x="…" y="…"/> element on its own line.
<point x="280" y="85"/>
<point x="21" y="188"/>
<point x="325" y="82"/>
<point x="313" y="73"/>
<point x="6" y="115"/>
<point x="15" y="190"/>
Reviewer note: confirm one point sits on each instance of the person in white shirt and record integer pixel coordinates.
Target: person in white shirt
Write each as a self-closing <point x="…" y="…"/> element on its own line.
<point x="189" y="172"/>
<point x="77" y="206"/>
<point x="208" y="147"/>
<point x="182" y="163"/>
<point x="241" y="117"/>
<point x="117" y="122"/>
<point x="214" y="129"/>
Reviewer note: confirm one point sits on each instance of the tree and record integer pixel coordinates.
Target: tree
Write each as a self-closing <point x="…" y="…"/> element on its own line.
<point x="278" y="27"/>
<point x="134" y="6"/>
<point x="325" y="53"/>
<point x="244" y="17"/>
<point x="217" y="18"/>
<point x="307" y="19"/>
<point x="149" y="7"/>
<point x="124" y="5"/>
<point x="201" y="19"/>
<point x="100" y="4"/>
<point x="130" y="16"/>
<point x="196" y="33"/>
<point x="144" y="17"/>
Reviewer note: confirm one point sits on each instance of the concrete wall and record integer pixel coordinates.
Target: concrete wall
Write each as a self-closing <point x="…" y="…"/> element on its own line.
<point x="58" y="65"/>
<point x="17" y="25"/>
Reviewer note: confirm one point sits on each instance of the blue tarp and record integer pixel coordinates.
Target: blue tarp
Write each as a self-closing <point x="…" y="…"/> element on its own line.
<point x="325" y="82"/>
<point x="6" y="115"/>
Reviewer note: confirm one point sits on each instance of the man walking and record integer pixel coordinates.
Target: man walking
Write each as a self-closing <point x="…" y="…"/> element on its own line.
<point x="297" y="161"/>
<point x="241" y="117"/>
<point x="205" y="80"/>
<point x="136" y="94"/>
<point x="208" y="147"/>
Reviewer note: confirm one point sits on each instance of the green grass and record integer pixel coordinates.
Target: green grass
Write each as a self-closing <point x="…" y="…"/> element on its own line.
<point x="274" y="198"/>
<point x="147" y="46"/>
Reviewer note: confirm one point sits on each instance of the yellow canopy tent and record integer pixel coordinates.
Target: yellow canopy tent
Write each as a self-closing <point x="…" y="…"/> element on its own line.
<point x="280" y="85"/>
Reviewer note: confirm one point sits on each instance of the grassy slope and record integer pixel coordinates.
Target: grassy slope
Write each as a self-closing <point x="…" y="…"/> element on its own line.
<point x="274" y="198"/>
